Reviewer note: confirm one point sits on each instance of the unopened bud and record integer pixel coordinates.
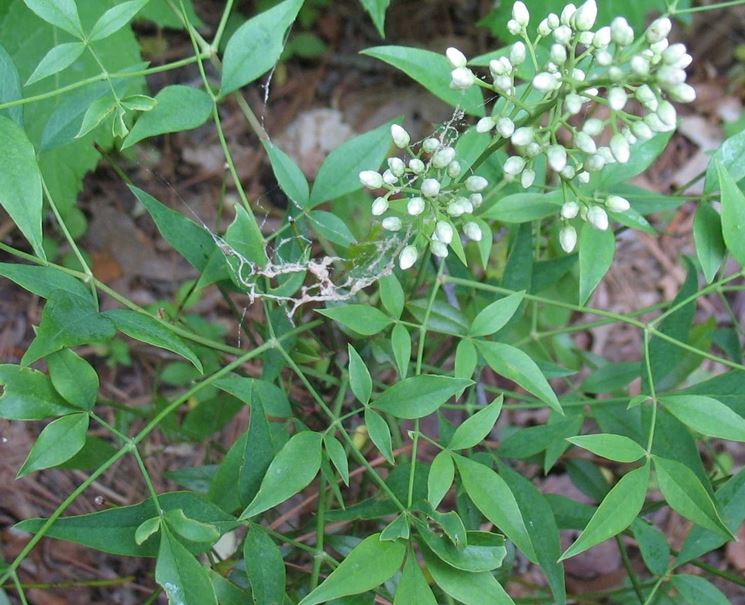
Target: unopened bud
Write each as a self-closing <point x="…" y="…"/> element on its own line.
<point x="527" y="178"/>
<point x="438" y="249"/>
<point x="379" y="206"/>
<point x="407" y="258"/>
<point x="585" y="16"/>
<point x="568" y="238"/>
<point x="569" y="210"/>
<point x="473" y="231"/>
<point x="443" y="157"/>
<point x="520" y="13"/>
<point x="389" y="178"/>
<point x="416" y="166"/>
<point x="557" y="157"/>
<point x="641" y="131"/>
<point x="522" y="136"/>
<point x="396" y="166"/>
<point x="585" y="142"/>
<point x="659" y="30"/>
<point x="558" y="54"/>
<point x="640" y="66"/>
<point x="601" y="39"/>
<point x="371" y="179"/>
<point x="598" y="218"/>
<point x="514" y="165"/>
<point x="462" y="78"/>
<point x="683" y="93"/>
<point x="667" y="113"/>
<point x="430" y="187"/>
<point x="567" y="13"/>
<point x="454" y="169"/>
<point x="617" y="98"/>
<point x="593" y="127"/>
<point x="399" y="135"/>
<point x="476" y="200"/>
<point x="619" y="147"/>
<point x="455" y="57"/>
<point x="430" y="145"/>
<point x="476" y="184"/>
<point x="415" y="206"/>
<point x="485" y="124"/>
<point x="391" y="223"/>
<point x="563" y="34"/>
<point x="505" y="127"/>
<point x="616" y="203"/>
<point x="444" y="232"/>
<point x="518" y="53"/>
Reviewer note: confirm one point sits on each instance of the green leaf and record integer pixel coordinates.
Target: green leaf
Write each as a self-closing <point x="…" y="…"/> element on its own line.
<point x="113" y="530"/>
<point x="265" y="567"/>
<point x="432" y="71"/>
<point x="418" y="396"/>
<point x="706" y="415"/>
<point x="20" y="183"/>
<point x="115" y="18"/>
<point x="687" y="496"/>
<point x="524" y="207"/>
<point x="11" y="90"/>
<point x="696" y="590"/>
<point x="596" y="251"/>
<point x="178" y="108"/>
<point x="643" y="154"/>
<point x="73" y="378"/>
<point x="611" y="377"/>
<point x="376" y="9"/>
<point x="43" y="281"/>
<point x="710" y="246"/>
<point x="359" y="376"/>
<point x="244" y="236"/>
<point x="96" y="113"/>
<point x="28" y="395"/>
<point x="392" y="295"/>
<point x="147" y="528"/>
<point x="466" y="587"/>
<point x="339" y="173"/>
<point x="370" y="563"/>
<point x="480" y="551"/>
<point x="401" y="345"/>
<point x="294" y="467"/>
<point x="60" y="440"/>
<point x="731" y="156"/>
<point x="616" y="512"/>
<point x="146" y="329"/>
<point x="515" y="365"/>
<point x="542" y="529"/>
<point x="496" y="315"/>
<point x="331" y="227"/>
<point x="611" y="447"/>
<point x="64" y="323"/>
<point x="397" y="529"/>
<point x="288" y="174"/>
<point x="190" y="240"/>
<point x="440" y="478"/>
<point x="184" y="579"/>
<point x="733" y="215"/>
<point x="493" y="497"/>
<point x="60" y="13"/>
<point x="653" y="546"/>
<point x="380" y="434"/>
<point x="338" y="456"/>
<point x="466" y="359"/>
<point x="191" y="529"/>
<point x="58" y="58"/>
<point x="362" y="319"/>
<point x="413" y="587"/>
<point x="256" y="45"/>
<point x="476" y="428"/>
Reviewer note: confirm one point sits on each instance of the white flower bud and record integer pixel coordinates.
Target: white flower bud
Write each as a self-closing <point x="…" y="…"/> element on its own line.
<point x="454" y="169"/>
<point x="669" y="76"/>
<point x="485" y="124"/>
<point x="504" y="84"/>
<point x="544" y="29"/>
<point x="683" y="93"/>
<point x="563" y="34"/>
<point x="621" y="32"/>
<point x="476" y="200"/>
<point x="659" y="47"/>
<point x="672" y="54"/>
<point x="646" y="96"/>
<point x="513" y="27"/>
<point x="595" y="162"/>
<point x="522" y="136"/>
<point x="444" y="232"/>
<point x="593" y="127"/>
<point x="472" y="231"/>
<point x="585" y="143"/>
<point x="567" y="13"/>
<point x="389" y="178"/>
<point x="569" y="172"/>
<point x="616" y="203"/>
<point x="379" y="206"/>
<point x="391" y="223"/>
<point x="407" y="258"/>
<point x="415" y="206"/>
<point x="557" y="157"/>
<point x="667" y="113"/>
<point x="607" y="155"/>
<point x="617" y="98"/>
<point x="476" y="184"/>
<point x="620" y="149"/>
<point x="520" y="13"/>
<point x="553" y="20"/>
<point x="456" y="58"/>
<point x="518" y="53"/>
<point x="558" y="54"/>
<point x="533" y="149"/>
<point x="598" y="218"/>
<point x="603" y="58"/>
<point x="462" y="78"/>
<point x="573" y="103"/>
<point x="544" y="81"/>
<point x="568" y="238"/>
<point x="466" y="205"/>
<point x="601" y="38"/>
<point x="659" y="30"/>
<point x="443" y="157"/>
<point x="416" y="166"/>
<point x="615" y="73"/>
<point x="583" y="177"/>
<point x="684" y="61"/>
<point x="514" y="165"/>
<point x="641" y="131"/>
<point x="396" y="166"/>
<point x="527" y="178"/>
<point x="640" y="66"/>
<point x="629" y="136"/>
<point x="430" y="187"/>
<point x="655" y="124"/>
<point x="455" y="208"/>
<point x="438" y="249"/>
<point x="578" y="75"/>
<point x="400" y="137"/>
<point x="585" y="16"/>
<point x="430" y="145"/>
<point x="371" y="179"/>
<point x="505" y="127"/>
<point x="586" y="38"/>
<point x="569" y="210"/>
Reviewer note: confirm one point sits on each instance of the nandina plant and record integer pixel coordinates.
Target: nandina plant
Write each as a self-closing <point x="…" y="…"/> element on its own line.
<point x="390" y="354"/>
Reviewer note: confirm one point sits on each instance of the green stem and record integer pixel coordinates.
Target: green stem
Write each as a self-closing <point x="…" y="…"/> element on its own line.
<point x="708" y="7"/>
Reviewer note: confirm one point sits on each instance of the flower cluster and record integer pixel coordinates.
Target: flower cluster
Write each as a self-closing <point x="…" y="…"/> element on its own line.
<point x="427" y="194"/>
<point x="585" y="70"/>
